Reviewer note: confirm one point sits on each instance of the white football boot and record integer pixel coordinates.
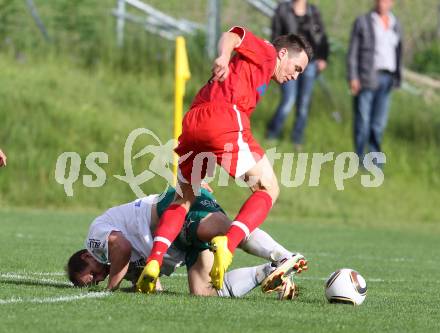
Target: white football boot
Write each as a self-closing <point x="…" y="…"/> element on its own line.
<point x="284" y="268"/>
<point x="289" y="290"/>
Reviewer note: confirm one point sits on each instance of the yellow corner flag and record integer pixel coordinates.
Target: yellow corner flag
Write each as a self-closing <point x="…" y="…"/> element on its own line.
<point x="182" y="74"/>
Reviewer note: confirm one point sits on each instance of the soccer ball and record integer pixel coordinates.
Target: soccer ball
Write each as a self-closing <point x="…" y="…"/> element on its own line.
<point x="346" y="286"/>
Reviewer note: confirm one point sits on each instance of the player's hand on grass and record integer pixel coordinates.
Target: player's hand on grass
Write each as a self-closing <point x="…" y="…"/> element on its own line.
<point x="220" y="68"/>
<point x="2" y="159"/>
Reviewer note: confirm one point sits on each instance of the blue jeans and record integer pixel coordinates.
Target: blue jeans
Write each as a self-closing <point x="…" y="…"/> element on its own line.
<point x="370" y="116"/>
<point x="299" y="91"/>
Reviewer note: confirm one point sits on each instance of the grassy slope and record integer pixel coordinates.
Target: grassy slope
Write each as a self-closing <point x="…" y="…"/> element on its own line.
<point x="47" y="116"/>
<point x="398" y="266"/>
<point x="51" y="104"/>
<point x="52" y="107"/>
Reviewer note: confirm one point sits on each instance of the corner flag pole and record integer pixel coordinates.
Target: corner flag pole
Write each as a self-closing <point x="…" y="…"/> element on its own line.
<point x="182" y="74"/>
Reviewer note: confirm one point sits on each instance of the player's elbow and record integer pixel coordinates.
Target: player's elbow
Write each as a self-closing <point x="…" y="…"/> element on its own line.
<point x="231" y="38"/>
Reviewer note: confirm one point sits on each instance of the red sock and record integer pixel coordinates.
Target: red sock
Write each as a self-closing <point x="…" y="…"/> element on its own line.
<point x="169" y="227"/>
<point x="251" y="215"/>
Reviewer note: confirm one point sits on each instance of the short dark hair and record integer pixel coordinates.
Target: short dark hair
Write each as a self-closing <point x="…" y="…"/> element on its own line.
<point x="76" y="265"/>
<point x="295" y="43"/>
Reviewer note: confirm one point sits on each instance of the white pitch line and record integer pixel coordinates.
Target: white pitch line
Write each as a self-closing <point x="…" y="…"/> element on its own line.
<point x="375" y="258"/>
<point x="179" y="275"/>
<point x="37" y="273"/>
<point x="317" y="278"/>
<point x="362" y="257"/>
<point x="13" y="276"/>
<point x="54" y="299"/>
<point x="310" y="278"/>
<point x="46" y="273"/>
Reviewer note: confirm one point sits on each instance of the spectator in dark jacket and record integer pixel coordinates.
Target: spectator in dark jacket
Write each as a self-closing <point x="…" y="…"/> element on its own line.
<point x="374" y="67"/>
<point x="302" y="18"/>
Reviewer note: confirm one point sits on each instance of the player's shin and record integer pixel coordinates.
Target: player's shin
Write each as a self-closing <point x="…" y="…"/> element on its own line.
<point x="251" y="215"/>
<point x="169" y="227"/>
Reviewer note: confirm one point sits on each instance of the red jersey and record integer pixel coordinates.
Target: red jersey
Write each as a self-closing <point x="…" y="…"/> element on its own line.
<point x="250" y="72"/>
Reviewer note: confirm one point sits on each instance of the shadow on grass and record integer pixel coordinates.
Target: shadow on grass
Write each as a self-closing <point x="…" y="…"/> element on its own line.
<point x="131" y="290"/>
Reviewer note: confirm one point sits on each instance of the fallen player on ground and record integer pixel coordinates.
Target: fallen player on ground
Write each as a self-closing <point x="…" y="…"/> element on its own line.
<point x="119" y="241"/>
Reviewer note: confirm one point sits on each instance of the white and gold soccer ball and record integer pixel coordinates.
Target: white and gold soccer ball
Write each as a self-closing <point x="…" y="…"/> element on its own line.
<point x="346" y="286"/>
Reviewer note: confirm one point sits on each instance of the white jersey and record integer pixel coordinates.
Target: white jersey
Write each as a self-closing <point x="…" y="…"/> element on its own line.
<point x="133" y="220"/>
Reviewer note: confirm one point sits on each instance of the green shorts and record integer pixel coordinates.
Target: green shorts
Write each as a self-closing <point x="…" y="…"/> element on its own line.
<point x="187" y="240"/>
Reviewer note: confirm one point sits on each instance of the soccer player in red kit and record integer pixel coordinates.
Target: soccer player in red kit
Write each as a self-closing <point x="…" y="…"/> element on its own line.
<point x="217" y="129"/>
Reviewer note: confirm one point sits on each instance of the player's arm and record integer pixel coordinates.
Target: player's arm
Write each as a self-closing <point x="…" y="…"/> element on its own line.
<point x="353" y="58"/>
<point x="226" y="45"/>
<point x="119" y="250"/>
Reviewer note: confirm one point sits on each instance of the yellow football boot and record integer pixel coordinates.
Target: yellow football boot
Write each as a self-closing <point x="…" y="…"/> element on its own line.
<point x="222" y="260"/>
<point x="146" y="282"/>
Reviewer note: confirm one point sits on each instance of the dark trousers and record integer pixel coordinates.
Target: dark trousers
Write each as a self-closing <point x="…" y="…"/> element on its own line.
<point x="371" y="108"/>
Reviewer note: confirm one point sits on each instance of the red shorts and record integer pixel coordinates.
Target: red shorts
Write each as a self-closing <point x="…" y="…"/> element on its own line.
<point x="216" y="133"/>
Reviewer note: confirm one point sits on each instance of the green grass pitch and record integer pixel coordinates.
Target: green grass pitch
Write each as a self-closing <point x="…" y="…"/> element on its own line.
<point x="400" y="265"/>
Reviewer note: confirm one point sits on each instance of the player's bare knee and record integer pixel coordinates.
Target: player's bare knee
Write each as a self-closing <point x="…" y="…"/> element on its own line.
<point x="274" y="191"/>
<point x="271" y="187"/>
<point x="214" y="224"/>
<point x="199" y="291"/>
<point x="203" y="288"/>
